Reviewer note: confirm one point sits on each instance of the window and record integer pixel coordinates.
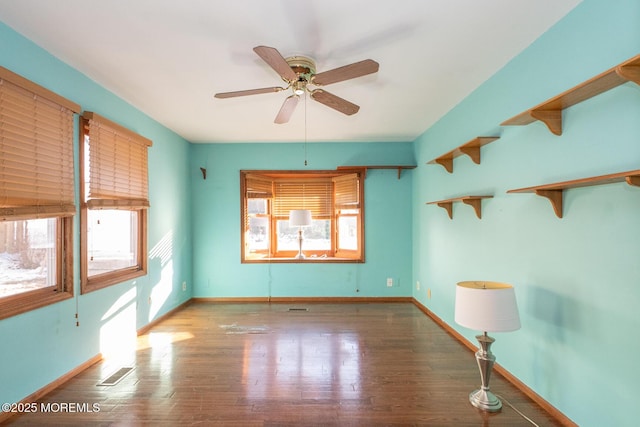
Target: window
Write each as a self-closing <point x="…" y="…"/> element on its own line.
<point x="115" y="202"/>
<point x="335" y="199"/>
<point x="37" y="198"/>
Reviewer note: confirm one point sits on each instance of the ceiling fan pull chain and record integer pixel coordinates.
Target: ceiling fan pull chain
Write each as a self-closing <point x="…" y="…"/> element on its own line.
<point x="305" y="129"/>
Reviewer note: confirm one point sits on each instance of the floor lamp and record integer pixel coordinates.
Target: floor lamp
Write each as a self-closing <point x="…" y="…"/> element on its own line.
<point x="487" y="307"/>
<point x="300" y="218"/>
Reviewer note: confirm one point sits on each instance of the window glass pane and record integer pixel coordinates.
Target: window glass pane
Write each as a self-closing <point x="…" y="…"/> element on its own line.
<point x="317" y="237"/>
<point x="257" y="237"/>
<point x="348" y="232"/>
<point x="348" y="212"/>
<point x="257" y="206"/>
<point x="27" y="255"/>
<point x="112" y="240"/>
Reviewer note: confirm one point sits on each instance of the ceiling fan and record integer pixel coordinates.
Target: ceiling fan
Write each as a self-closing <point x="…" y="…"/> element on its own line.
<point x="299" y="72"/>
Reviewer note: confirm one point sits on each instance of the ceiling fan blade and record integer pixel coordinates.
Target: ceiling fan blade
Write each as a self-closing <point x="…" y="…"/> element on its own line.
<point x="287" y="108"/>
<point x="351" y="71"/>
<point x="276" y="61"/>
<point x="335" y="102"/>
<point x="248" y="92"/>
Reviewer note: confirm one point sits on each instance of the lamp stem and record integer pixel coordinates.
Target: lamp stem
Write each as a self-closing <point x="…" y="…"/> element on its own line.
<point x="300" y="254"/>
<point x="483" y="398"/>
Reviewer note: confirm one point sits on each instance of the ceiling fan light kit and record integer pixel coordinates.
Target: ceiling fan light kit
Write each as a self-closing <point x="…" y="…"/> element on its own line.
<point x="299" y="72"/>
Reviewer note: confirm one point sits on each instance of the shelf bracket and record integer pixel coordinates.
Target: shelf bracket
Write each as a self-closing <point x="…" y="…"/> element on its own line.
<point x="551" y="118"/>
<point x="447" y="206"/>
<point x="629" y="72"/>
<point x="633" y="180"/>
<point x="474" y="201"/>
<point x="473" y="152"/>
<point x="446" y="162"/>
<point x="555" y="197"/>
<point x="476" y="204"/>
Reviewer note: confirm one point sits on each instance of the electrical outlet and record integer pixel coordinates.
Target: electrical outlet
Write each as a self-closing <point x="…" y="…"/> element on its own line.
<point x="184" y="286"/>
<point x="417" y="285"/>
<point x="389" y="282"/>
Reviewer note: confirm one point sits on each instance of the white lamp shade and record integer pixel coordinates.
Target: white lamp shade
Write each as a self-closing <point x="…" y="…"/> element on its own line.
<point x="486" y="306"/>
<point x="299" y="217"/>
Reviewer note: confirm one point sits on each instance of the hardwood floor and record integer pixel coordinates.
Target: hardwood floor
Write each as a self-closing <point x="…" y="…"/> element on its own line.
<point x="362" y="364"/>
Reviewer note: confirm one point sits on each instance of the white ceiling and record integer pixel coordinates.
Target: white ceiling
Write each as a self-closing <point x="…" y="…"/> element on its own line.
<point x="168" y="58"/>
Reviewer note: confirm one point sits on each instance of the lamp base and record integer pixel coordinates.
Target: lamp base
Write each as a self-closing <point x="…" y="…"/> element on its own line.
<point x="485" y="400"/>
<point x="300" y="256"/>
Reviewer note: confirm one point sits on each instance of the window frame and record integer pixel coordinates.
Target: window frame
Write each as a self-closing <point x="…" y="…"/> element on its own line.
<point x="103" y="280"/>
<point x="272" y="254"/>
<point x="62" y="289"/>
<point x="347" y="252"/>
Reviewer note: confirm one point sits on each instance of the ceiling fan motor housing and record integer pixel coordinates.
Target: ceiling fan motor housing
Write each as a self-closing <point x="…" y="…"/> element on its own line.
<point x="303" y="66"/>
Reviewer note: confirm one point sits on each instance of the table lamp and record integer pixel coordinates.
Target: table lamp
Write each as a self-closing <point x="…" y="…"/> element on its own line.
<point x="300" y="218"/>
<point x="487" y="307"/>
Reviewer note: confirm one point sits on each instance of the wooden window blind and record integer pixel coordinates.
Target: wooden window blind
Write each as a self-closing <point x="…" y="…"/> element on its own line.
<point x="36" y="144"/>
<point x="259" y="187"/>
<point x="315" y="195"/>
<point x="118" y="171"/>
<point x="347" y="191"/>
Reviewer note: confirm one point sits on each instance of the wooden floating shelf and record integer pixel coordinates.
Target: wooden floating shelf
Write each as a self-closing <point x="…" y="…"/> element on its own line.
<point x="550" y="111"/>
<point x="471" y="149"/>
<point x="474" y="201"/>
<point x="364" y="168"/>
<point x="554" y="192"/>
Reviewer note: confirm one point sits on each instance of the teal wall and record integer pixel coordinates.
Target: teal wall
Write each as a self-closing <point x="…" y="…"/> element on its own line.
<point x="217" y="271"/>
<point x="576" y="278"/>
<point x="42" y="345"/>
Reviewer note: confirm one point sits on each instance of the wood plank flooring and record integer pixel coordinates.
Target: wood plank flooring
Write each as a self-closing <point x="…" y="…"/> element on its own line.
<point x="362" y="364"/>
